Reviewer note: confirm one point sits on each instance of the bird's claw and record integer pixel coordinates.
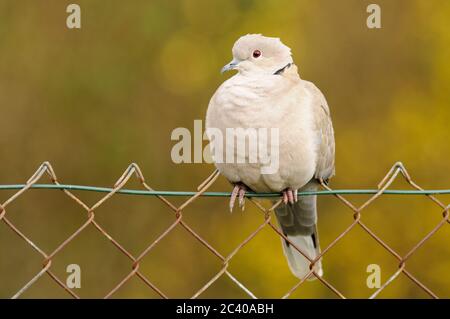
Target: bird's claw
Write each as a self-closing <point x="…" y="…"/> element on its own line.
<point x="290" y="196"/>
<point x="238" y="192"/>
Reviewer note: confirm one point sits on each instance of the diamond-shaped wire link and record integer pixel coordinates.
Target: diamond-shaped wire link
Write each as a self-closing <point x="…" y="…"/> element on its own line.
<point x="134" y="170"/>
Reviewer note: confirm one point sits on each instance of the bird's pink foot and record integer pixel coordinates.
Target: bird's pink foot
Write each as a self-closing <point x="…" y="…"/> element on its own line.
<point x="238" y="192"/>
<point x="290" y="196"/>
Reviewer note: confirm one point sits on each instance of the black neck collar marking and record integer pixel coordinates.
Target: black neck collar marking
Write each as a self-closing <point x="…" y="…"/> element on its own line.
<point x="280" y="71"/>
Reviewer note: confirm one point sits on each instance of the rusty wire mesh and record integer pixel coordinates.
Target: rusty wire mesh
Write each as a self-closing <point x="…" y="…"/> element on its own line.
<point x="134" y="170"/>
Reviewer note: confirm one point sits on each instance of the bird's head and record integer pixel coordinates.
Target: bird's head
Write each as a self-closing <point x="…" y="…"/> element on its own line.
<point x="256" y="54"/>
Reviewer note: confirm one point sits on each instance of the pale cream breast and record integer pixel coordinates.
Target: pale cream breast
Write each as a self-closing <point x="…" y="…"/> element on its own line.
<point x="272" y="103"/>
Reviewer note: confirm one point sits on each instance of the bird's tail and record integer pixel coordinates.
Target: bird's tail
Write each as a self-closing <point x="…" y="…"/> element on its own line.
<point x="298" y="222"/>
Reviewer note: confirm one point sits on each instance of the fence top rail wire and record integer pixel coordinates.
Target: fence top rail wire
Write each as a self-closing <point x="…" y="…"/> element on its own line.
<point x="226" y="194"/>
<point x="397" y="170"/>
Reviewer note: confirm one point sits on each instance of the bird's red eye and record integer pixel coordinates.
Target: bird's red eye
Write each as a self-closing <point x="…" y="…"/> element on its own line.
<point x="256" y="54"/>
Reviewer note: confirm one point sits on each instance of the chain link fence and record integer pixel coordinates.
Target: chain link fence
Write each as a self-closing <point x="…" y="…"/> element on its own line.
<point x="267" y="222"/>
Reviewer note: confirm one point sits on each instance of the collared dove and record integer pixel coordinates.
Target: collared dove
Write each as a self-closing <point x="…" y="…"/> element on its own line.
<point x="267" y="92"/>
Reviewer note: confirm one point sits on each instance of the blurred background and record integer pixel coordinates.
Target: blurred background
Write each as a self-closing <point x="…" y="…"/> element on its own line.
<point x="93" y="100"/>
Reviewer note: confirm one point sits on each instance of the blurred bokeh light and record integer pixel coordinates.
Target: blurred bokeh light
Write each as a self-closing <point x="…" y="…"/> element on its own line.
<point x="93" y="100"/>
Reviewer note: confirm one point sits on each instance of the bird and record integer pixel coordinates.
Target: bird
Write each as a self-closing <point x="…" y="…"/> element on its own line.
<point x="267" y="92"/>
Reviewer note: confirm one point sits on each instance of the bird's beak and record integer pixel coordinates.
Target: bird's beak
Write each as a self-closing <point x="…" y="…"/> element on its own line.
<point x="230" y="66"/>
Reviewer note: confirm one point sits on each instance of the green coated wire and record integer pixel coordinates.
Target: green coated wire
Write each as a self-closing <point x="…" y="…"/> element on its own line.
<point x="222" y="194"/>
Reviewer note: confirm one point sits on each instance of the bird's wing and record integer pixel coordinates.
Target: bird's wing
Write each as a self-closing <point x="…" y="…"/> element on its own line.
<point x="324" y="133"/>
